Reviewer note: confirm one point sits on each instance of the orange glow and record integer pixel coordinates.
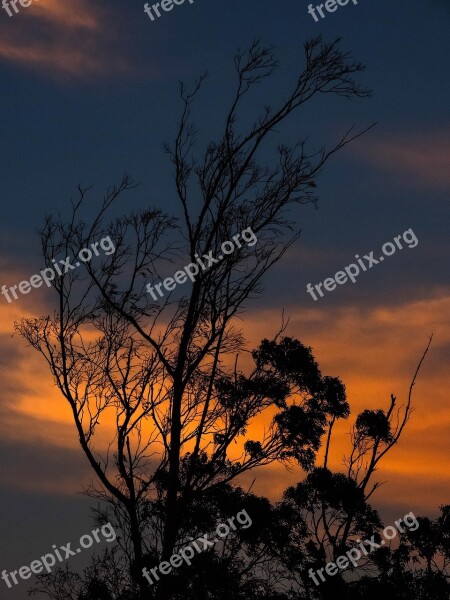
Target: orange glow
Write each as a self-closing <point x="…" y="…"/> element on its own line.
<point x="374" y="350"/>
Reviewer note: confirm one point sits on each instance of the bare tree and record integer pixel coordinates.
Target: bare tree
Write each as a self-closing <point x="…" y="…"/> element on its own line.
<point x="158" y="371"/>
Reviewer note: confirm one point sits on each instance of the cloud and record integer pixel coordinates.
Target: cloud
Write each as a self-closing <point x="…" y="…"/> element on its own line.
<point x="38" y="441"/>
<point x="413" y="159"/>
<point x="30" y="408"/>
<point x="63" y="40"/>
<point x="42" y="467"/>
<point x="79" y="15"/>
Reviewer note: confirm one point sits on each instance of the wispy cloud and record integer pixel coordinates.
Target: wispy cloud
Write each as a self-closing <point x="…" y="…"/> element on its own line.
<point x="72" y="40"/>
<point x="77" y="15"/>
<point x="423" y="159"/>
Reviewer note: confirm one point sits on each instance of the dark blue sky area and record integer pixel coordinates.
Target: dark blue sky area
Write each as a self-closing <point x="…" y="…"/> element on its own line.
<point x="60" y="129"/>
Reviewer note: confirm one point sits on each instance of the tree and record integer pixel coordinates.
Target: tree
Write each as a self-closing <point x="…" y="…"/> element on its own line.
<point x="162" y="371"/>
<point x="318" y="520"/>
<point x="336" y="512"/>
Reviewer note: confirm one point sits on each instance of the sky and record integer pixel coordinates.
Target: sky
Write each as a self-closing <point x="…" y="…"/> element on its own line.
<point x="89" y="91"/>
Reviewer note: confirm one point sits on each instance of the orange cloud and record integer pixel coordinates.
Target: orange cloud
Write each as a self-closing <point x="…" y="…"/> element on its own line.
<point x="77" y="15"/>
<point x="59" y="39"/>
<point x="414" y="159"/>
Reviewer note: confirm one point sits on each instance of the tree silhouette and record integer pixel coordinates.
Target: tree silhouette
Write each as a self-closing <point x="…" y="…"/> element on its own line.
<point x="162" y="372"/>
<point x="317" y="521"/>
<point x="417" y="568"/>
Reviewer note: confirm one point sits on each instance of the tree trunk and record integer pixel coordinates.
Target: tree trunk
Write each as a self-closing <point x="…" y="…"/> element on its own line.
<point x="136" y="540"/>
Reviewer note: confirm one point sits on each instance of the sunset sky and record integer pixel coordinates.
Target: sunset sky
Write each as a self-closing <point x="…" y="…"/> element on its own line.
<point x="89" y="90"/>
